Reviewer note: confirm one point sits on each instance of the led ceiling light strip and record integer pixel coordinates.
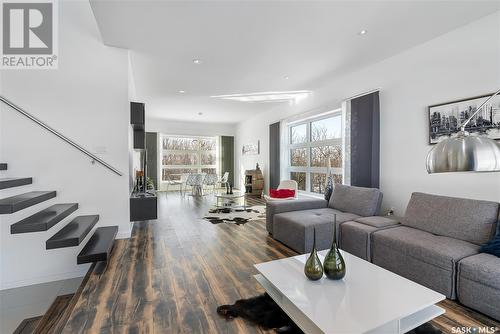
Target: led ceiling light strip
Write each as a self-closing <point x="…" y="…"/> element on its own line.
<point x="267" y="96"/>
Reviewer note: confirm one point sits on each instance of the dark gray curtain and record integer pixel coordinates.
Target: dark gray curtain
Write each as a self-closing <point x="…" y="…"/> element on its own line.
<point x="365" y="141"/>
<point x="274" y="155"/>
<point x="227" y="156"/>
<point x="152" y="157"/>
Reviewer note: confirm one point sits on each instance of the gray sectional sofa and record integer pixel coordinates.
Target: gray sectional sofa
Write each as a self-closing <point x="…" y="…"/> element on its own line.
<point x="435" y="244"/>
<point x="292" y="222"/>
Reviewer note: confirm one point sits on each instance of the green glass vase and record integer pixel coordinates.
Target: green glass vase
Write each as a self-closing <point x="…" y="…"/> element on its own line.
<point x="334" y="263"/>
<point x="313" y="268"/>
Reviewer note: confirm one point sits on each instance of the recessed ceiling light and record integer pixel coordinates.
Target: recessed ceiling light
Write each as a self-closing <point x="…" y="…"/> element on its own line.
<point x="182" y="91"/>
<point x="286" y="77"/>
<point x="362" y="32"/>
<point x="197" y="61"/>
<point x="200" y="113"/>
<point x="262" y="97"/>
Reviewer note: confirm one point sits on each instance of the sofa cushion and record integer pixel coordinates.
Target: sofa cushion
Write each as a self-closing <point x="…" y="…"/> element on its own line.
<point x="465" y="219"/>
<point x="481" y="268"/>
<point x="420" y="256"/>
<point x="440" y="251"/>
<point x="479" y="284"/>
<point x="355" y="238"/>
<point x="273" y="208"/>
<point x="378" y="221"/>
<point x="295" y="229"/>
<point x="358" y="200"/>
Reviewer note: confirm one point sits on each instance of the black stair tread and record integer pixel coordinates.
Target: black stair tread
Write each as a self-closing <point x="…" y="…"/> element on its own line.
<point x="3" y="166"/>
<point x="9" y="182"/>
<point x="73" y="233"/>
<point x="19" y="202"/>
<point x="45" y="219"/>
<point x="99" y="246"/>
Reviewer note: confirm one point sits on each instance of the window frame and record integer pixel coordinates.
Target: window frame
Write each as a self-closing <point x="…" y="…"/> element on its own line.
<point x="198" y="152"/>
<point x="308" y="145"/>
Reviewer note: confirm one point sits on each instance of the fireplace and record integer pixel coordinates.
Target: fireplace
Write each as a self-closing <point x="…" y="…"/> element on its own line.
<point x="254" y="182"/>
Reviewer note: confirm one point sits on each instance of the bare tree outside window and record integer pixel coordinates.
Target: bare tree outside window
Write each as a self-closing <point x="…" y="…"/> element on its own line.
<point x="321" y="154"/>
<point x="180" y="159"/>
<point x="300" y="177"/>
<point x="298" y="134"/>
<point x="318" y="182"/>
<point x="298" y="157"/>
<point x="184" y="155"/>
<point x="316" y="146"/>
<point x="328" y="128"/>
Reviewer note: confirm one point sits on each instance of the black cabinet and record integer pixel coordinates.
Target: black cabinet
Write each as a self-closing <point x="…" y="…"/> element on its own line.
<point x="143" y="207"/>
<point x="137" y="115"/>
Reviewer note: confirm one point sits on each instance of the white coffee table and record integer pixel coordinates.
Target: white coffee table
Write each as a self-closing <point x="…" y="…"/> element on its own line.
<point x="369" y="299"/>
<point x="231" y="201"/>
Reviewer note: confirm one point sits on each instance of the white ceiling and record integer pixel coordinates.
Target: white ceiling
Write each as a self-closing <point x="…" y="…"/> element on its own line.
<point x="250" y="46"/>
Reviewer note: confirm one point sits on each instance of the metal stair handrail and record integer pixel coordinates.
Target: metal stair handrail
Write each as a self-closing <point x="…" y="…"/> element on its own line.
<point x="60" y="135"/>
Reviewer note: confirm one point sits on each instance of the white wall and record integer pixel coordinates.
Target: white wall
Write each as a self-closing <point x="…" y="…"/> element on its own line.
<point x="173" y="127"/>
<point x="460" y="64"/>
<point x="87" y="100"/>
<point x="256" y="128"/>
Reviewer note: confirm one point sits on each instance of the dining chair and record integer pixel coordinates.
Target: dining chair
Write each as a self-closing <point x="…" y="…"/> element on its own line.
<point x="190" y="182"/>
<point x="285" y="184"/>
<point x="171" y="182"/>
<point x="184" y="177"/>
<point x="197" y="188"/>
<point x="211" y="180"/>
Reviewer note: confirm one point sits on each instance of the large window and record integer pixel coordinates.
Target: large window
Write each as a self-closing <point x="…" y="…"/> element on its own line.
<point x="182" y="155"/>
<point x="314" y="146"/>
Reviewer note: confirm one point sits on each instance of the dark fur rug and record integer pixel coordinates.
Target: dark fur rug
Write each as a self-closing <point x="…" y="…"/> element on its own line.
<point x="263" y="311"/>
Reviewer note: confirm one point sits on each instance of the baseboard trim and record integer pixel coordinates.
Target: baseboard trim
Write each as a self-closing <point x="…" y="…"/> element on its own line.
<point x="45" y="279"/>
<point x="124" y="234"/>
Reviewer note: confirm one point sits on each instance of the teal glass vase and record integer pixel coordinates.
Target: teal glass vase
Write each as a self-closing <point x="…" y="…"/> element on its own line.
<point x="313" y="268"/>
<point x="334" y="264"/>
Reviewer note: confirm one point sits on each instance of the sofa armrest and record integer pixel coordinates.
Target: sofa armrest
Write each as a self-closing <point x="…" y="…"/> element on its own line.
<point x="275" y="207"/>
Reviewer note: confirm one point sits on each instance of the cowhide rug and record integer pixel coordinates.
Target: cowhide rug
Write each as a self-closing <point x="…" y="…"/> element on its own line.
<point x="236" y="216"/>
<point x="263" y="311"/>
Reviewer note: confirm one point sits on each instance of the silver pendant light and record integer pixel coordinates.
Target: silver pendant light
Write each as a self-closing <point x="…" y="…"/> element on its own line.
<point x="465" y="152"/>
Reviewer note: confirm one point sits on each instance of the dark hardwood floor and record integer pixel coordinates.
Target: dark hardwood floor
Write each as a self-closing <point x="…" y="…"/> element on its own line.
<point x="46" y="324"/>
<point x="27" y="326"/>
<point x="171" y="275"/>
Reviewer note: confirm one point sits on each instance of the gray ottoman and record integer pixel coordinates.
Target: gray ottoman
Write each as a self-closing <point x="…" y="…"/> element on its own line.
<point x="478" y="284"/>
<point x="355" y="236"/>
<point x="295" y="229"/>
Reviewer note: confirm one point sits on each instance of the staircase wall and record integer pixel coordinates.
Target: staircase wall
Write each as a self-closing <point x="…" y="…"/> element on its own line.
<point x="86" y="99"/>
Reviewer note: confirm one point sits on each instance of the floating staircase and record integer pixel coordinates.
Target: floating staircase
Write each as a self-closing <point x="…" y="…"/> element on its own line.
<point x="99" y="246"/>
<point x="23" y="201"/>
<point x="45" y="219"/>
<point x="73" y="233"/>
<point x="97" y="249"/>
<point x="10" y="182"/>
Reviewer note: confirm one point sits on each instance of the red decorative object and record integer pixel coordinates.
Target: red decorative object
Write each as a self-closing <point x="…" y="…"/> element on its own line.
<point x="281" y="193"/>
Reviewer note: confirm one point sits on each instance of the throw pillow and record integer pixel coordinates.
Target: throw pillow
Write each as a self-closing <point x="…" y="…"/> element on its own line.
<point x="492" y="246"/>
<point x="281" y="193"/>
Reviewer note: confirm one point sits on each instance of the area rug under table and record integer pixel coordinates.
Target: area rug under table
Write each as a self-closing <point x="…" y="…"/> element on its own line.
<point x="236" y="216"/>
